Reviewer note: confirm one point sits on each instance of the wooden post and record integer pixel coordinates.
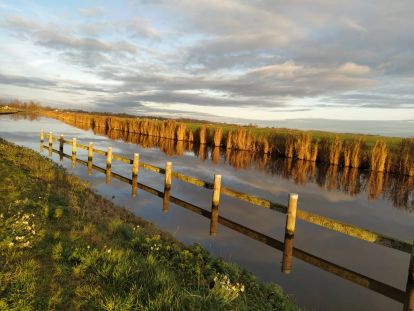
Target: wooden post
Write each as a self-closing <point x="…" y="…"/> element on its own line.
<point x="167" y="183"/>
<point x="74" y="146"/>
<point x="291" y="214"/>
<point x="215" y="204"/>
<point x="409" y="300"/>
<point x="135" y="167"/>
<point x="287" y="254"/>
<point x="73" y="152"/>
<point x="109" y="157"/>
<point x="50" y="139"/>
<point x="135" y="164"/>
<point x="42" y="136"/>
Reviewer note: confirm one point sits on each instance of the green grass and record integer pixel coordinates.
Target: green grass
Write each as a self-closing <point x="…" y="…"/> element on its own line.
<point x="63" y="247"/>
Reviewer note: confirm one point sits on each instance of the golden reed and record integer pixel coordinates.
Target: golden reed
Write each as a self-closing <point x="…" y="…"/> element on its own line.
<point x="334" y="150"/>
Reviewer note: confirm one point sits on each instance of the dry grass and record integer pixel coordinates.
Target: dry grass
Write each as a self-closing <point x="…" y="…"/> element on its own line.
<point x="302" y="146"/>
<point x="352" y="153"/>
<point x="405" y="157"/>
<point x="229" y="141"/>
<point x="378" y="156"/>
<point x="218" y="133"/>
<point x="180" y="131"/>
<point x="202" y="135"/>
<point x="289" y="147"/>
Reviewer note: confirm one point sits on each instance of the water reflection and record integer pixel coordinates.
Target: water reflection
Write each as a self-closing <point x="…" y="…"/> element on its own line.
<point x="289" y="251"/>
<point x="397" y="189"/>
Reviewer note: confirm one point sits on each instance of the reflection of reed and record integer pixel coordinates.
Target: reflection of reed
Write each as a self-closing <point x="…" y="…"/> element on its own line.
<point x="300" y="171"/>
<point x="201" y="152"/>
<point x="401" y="192"/>
<point x="31" y="116"/>
<point x="215" y="155"/>
<point x="349" y="180"/>
<point x="332" y="177"/>
<point x="375" y="184"/>
<point x="241" y="159"/>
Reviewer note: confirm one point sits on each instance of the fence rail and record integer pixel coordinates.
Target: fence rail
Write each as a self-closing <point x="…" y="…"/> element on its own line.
<point x="322" y="221"/>
<point x="405" y="297"/>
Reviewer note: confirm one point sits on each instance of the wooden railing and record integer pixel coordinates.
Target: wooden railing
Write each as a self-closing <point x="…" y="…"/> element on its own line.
<point x="290" y="209"/>
<point x="347" y="229"/>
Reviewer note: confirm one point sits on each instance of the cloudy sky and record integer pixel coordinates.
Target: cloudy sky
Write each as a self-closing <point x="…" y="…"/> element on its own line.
<point x="267" y="60"/>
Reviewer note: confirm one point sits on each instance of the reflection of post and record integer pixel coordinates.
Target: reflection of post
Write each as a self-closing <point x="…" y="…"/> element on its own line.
<point x="50" y="143"/>
<point x="61" y="143"/>
<point x="166" y="200"/>
<point x="291" y="214"/>
<point x="135" y="166"/>
<point x="42" y="136"/>
<point x="90" y="156"/>
<point x="108" y="175"/>
<point x="287" y="254"/>
<point x="73" y="152"/>
<point x="167" y="184"/>
<point x="61" y="148"/>
<point x="215" y="204"/>
<point x="409" y="302"/>
<point x="50" y="139"/>
<point x="41" y="147"/>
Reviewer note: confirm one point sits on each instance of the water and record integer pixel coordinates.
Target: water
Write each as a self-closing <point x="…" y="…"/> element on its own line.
<point x="379" y="203"/>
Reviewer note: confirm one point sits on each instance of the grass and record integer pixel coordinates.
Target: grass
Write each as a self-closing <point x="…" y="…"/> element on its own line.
<point x="63" y="247"/>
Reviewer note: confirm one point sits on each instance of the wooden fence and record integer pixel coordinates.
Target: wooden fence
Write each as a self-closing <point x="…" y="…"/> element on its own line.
<point x="291" y="210"/>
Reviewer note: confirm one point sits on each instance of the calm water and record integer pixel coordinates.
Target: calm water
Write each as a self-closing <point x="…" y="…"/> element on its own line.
<point x="377" y="202"/>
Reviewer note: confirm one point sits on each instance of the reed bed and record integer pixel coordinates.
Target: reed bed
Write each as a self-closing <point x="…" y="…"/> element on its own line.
<point x="378" y="156"/>
<point x="202" y="135"/>
<point x="334" y="150"/>
<point x="405" y="157"/>
<point x="218" y="133"/>
<point x="352" y="153"/>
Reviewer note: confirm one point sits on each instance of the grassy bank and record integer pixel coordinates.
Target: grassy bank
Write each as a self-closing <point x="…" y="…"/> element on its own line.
<point x="63" y="247"/>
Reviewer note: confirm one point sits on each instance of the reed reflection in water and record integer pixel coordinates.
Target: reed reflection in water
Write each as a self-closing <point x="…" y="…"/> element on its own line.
<point x="352" y="181"/>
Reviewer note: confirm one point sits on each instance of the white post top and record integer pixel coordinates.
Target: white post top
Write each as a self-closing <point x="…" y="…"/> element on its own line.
<point x="293" y="196"/>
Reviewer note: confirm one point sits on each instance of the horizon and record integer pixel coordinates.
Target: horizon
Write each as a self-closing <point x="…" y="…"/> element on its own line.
<point x="224" y="60"/>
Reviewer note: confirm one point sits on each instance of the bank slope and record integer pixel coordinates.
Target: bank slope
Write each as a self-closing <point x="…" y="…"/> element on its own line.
<point x="63" y="247"/>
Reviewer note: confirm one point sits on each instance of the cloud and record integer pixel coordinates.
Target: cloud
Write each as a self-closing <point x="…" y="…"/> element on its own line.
<point x="270" y="55"/>
<point x="59" y="38"/>
<point x="353" y="69"/>
<point x="25" y="81"/>
<point x="92" y="11"/>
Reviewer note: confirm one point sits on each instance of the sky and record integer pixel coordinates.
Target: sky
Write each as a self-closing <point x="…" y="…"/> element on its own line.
<point x="213" y="59"/>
